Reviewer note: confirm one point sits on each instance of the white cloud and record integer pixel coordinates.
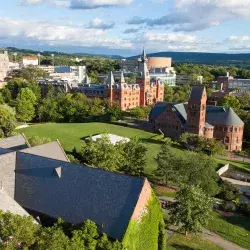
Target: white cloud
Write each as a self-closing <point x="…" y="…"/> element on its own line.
<point x="40" y="32"/>
<point x="239" y="39"/>
<point x="191" y="15"/>
<point x="79" y="4"/>
<point x="169" y="41"/>
<point x="93" y="4"/>
<point x="100" y="24"/>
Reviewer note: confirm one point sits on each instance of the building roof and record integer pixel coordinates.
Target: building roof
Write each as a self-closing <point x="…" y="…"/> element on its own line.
<point x="222" y="116"/>
<point x="14" y="143"/>
<point x="52" y="150"/>
<point x="196" y="93"/>
<point x="30" y="57"/>
<point x="158" y="109"/>
<point x="110" y="80"/>
<point x="9" y="204"/>
<point x="62" y="69"/>
<point x="215" y="115"/>
<point x="42" y="179"/>
<point x="78" y="194"/>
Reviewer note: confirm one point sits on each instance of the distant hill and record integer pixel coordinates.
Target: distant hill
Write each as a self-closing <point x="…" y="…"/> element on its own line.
<point x="48" y="53"/>
<point x="203" y="58"/>
<point x="239" y="60"/>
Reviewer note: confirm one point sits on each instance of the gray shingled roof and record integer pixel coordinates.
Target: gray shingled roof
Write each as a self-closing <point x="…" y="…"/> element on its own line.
<point x="215" y="115"/>
<point x="51" y="150"/>
<point x="80" y="193"/>
<point x="196" y="93"/>
<point x="222" y="116"/>
<point x="8" y="204"/>
<point x="157" y="110"/>
<point x="14" y="143"/>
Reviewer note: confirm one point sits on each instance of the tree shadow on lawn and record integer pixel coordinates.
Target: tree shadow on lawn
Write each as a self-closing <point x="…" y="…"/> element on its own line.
<point x="180" y="247"/>
<point x="239" y="220"/>
<point x="151" y="141"/>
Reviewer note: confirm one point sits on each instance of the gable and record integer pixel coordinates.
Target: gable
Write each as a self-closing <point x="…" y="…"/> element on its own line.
<point x="14" y="143"/>
<point x="52" y="150"/>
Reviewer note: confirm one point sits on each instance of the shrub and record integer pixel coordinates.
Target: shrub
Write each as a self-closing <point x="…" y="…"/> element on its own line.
<point x="229" y="207"/>
<point x="244" y="208"/>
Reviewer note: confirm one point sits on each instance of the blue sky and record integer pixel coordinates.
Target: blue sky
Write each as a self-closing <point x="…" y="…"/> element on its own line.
<point x="124" y="26"/>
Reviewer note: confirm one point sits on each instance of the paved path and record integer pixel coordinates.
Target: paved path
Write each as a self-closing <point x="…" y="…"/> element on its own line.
<point x="218" y="240"/>
<point x="235" y="157"/>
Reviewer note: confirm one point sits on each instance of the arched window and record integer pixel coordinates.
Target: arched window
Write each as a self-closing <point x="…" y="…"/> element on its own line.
<point x="227" y="139"/>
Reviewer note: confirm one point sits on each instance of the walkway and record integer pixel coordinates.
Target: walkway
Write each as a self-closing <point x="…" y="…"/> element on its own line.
<point x="218" y="240"/>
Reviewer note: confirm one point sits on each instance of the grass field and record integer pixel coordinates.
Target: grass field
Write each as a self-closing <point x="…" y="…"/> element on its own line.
<point x="72" y="135"/>
<point x="195" y="242"/>
<point x="235" y="228"/>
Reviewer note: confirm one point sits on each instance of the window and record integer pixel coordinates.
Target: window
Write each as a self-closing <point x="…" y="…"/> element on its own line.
<point x="227" y="139"/>
<point x="231" y="129"/>
<point x="225" y="129"/>
<point x="237" y="140"/>
<point x="235" y="129"/>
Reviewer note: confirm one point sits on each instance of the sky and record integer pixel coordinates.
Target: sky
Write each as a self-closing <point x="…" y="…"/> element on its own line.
<point x="124" y="27"/>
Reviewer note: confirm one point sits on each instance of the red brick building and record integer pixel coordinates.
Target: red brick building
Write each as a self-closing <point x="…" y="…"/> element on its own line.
<point x="199" y="118"/>
<point x="142" y="93"/>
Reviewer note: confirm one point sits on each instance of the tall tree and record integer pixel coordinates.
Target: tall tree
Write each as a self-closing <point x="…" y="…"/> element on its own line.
<point x="7" y="121"/>
<point x="168" y="166"/>
<point x="133" y="158"/>
<point x="25" y="105"/>
<point x="101" y="154"/>
<point x="192" y="209"/>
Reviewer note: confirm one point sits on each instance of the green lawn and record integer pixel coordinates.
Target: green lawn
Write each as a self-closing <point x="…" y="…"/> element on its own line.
<point x="72" y="134"/>
<point x="235" y="228"/>
<point x="195" y="242"/>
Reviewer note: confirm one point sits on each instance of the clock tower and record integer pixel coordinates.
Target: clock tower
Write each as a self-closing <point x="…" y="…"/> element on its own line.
<point x="196" y="114"/>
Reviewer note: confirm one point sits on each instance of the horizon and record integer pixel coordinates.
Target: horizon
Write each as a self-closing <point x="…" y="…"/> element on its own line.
<point x="123" y="27"/>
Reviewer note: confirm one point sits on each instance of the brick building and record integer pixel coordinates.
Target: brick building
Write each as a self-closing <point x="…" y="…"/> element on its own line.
<point x="143" y="92"/>
<point x="199" y="118"/>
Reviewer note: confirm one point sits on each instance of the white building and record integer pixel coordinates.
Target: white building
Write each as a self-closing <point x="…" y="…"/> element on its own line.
<point x="244" y="84"/>
<point x="29" y="61"/>
<point x="69" y="73"/>
<point x="164" y="75"/>
<point x="14" y="66"/>
<point x="4" y="65"/>
<point x="47" y="68"/>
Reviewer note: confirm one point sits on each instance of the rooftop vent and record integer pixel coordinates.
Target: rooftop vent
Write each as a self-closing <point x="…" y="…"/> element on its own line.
<point x="59" y="172"/>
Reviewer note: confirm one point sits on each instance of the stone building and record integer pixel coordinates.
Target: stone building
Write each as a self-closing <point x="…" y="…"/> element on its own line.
<point x="199" y="118"/>
<point x="4" y="65"/>
<point x="142" y="93"/>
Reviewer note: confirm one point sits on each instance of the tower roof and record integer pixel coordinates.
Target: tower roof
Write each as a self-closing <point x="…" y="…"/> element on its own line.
<point x="143" y="68"/>
<point x="143" y="56"/>
<point x="87" y="80"/>
<point x="196" y="93"/>
<point x="111" y="80"/>
<point x="122" y="79"/>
